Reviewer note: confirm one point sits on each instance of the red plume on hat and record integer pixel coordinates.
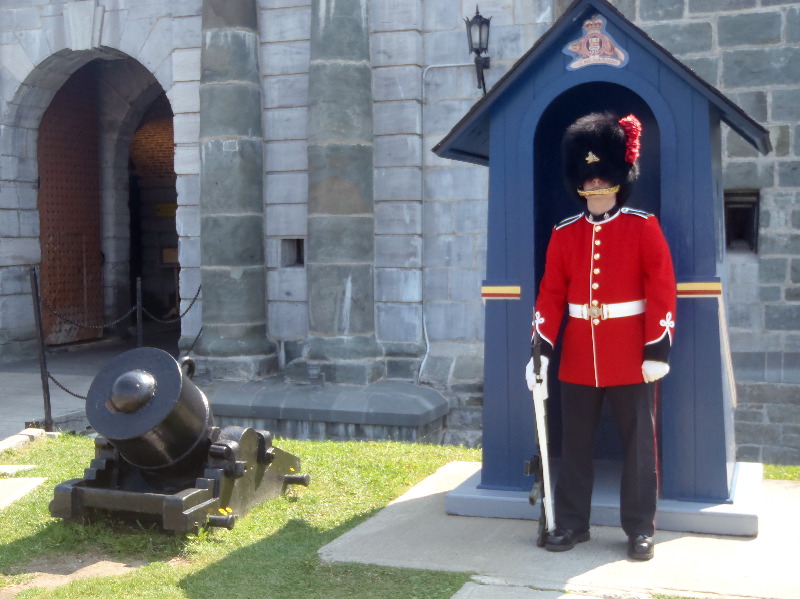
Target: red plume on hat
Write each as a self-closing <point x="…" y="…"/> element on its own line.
<point x="633" y="131"/>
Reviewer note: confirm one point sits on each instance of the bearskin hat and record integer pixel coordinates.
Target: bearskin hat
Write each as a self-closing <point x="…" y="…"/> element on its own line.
<point x="605" y="146"/>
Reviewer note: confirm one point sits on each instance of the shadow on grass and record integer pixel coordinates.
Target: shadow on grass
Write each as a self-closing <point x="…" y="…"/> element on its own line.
<point x="286" y="565"/>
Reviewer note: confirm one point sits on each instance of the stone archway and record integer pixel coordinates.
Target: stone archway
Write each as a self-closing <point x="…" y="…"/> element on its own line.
<point x="125" y="89"/>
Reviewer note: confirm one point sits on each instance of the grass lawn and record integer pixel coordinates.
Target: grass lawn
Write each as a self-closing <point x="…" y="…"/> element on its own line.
<point x="272" y="552"/>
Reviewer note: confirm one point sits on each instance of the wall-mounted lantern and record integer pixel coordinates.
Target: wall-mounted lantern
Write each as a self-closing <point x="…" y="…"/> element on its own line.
<point x="478" y="39"/>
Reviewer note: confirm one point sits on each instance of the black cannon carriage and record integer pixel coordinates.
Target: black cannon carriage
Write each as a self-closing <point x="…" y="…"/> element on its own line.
<point x="160" y="458"/>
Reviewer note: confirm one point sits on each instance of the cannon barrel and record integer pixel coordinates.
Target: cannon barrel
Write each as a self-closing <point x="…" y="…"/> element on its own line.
<point x="151" y="412"/>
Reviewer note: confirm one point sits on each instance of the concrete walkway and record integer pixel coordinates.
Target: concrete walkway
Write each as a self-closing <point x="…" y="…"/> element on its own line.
<point x="415" y="532"/>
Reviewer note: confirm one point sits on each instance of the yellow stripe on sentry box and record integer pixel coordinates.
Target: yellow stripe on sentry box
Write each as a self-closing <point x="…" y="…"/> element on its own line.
<point x="501" y="292"/>
<point x="704" y="289"/>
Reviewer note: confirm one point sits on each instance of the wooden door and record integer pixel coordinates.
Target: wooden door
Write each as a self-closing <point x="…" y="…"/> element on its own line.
<point x="69" y="211"/>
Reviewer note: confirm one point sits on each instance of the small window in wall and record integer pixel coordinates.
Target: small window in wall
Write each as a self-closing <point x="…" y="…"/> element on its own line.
<point x="292" y="253"/>
<point x="741" y="220"/>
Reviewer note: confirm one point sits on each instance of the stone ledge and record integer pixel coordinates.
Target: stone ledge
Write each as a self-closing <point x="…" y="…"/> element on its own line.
<point x="384" y="403"/>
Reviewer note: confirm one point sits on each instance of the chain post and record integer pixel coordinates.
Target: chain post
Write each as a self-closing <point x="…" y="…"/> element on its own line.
<point x="139" y="326"/>
<point x="37" y="314"/>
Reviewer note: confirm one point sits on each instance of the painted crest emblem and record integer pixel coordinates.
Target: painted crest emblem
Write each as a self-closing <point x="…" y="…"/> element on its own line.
<point x="595" y="47"/>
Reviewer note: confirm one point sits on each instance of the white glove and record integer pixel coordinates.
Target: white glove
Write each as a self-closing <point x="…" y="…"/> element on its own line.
<point x="652" y="370"/>
<point x="530" y="378"/>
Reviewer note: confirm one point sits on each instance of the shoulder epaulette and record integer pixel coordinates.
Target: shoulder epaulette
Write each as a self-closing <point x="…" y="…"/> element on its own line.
<point x="569" y="220"/>
<point x="636" y="212"/>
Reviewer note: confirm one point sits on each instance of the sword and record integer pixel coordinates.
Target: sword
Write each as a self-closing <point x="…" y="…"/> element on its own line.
<point x="541" y="463"/>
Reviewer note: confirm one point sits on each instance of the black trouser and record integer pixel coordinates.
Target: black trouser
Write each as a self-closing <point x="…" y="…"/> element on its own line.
<point x="633" y="411"/>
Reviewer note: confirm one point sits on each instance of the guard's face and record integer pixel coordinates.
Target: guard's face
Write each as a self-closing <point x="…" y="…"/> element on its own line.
<point x="596" y="183"/>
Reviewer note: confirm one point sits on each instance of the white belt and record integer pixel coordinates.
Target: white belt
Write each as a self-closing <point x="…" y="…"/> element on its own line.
<point x="605" y="311"/>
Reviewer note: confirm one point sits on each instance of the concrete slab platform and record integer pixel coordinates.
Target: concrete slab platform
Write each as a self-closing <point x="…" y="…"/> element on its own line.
<point x="739" y="517"/>
<point x="12" y="489"/>
<point x="415" y="532"/>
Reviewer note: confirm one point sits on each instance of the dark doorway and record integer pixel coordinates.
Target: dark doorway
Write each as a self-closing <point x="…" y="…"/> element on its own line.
<point x="153" y="237"/>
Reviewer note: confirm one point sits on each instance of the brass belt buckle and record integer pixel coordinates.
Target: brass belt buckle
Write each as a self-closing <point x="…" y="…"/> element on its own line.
<point x="595" y="312"/>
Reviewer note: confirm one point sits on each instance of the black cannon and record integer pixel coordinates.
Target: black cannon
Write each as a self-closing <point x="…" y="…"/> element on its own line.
<point x="159" y="458"/>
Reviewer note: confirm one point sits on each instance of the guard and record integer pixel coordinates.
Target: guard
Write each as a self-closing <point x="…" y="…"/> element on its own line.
<point x="610" y="268"/>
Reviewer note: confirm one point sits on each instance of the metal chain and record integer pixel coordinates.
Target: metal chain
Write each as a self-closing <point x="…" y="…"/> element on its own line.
<point x="63" y="388"/>
<point x="85" y="325"/>
<point x="174" y="320"/>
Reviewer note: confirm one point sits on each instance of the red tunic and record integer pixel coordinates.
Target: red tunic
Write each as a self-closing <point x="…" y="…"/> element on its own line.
<point x="622" y="259"/>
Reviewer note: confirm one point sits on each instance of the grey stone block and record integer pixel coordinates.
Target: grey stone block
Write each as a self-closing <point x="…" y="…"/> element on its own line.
<point x="456" y="183"/>
<point x="396" y="15"/>
<point x="230" y="110"/>
<point x="399" y="322"/>
<point x="340" y="103"/>
<point x="659" y="10"/>
<point x="187" y="221"/>
<point x="749" y="366"/>
<point x="340" y="239"/>
<point x="789" y="174"/>
<point x="339" y="30"/>
<point x="750" y="29"/>
<point x="683" y="38"/>
<point x="465" y="284"/>
<point x="705" y="67"/>
<point x="224" y="14"/>
<point x="231" y="177"/>
<point x="398" y="218"/>
<point x="751" y="414"/>
<point x="773" y="270"/>
<point x="232" y="240"/>
<point x="397" y="150"/>
<point x="287" y="220"/>
<point x="284" y="156"/>
<point x="471" y="216"/>
<point x="188" y="190"/>
<point x="760" y="67"/>
<point x="450" y="321"/>
<point x="287" y="285"/>
<point x="21" y="250"/>
<point x="749" y="433"/>
<point x="340" y="179"/>
<point x="402" y="368"/>
<point x="449" y="251"/>
<point x="448" y="47"/>
<point x="398" y="183"/>
<point x="401" y="251"/>
<point x="793" y="24"/>
<point x="355" y="347"/>
<point x="437" y="284"/>
<point x="234" y="296"/>
<point x="748" y="453"/>
<point x="782" y="318"/>
<point x="286" y="123"/>
<point x="285" y="58"/>
<point x="287" y="188"/>
<point x="753" y="103"/>
<point x="286" y="24"/>
<point x="748" y="175"/>
<point x="287" y="320"/>
<point x="701" y="6"/>
<point x="775" y="243"/>
<point x="394" y="48"/>
<point x="397" y="83"/>
<point x="341" y="299"/>
<point x="443" y="115"/>
<point x="286" y="91"/>
<point x="393" y="118"/>
<point x="436" y="370"/>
